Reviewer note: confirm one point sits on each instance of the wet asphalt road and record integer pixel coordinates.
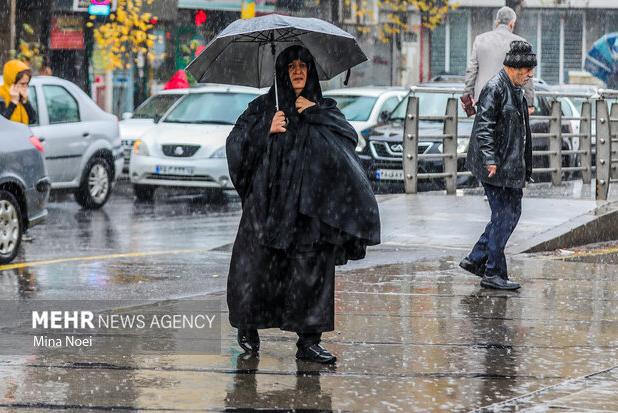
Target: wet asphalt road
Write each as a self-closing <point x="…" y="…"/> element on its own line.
<point x="174" y="247"/>
<point x="414" y="333"/>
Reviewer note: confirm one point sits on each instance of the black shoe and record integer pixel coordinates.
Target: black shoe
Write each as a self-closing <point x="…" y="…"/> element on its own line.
<point x="315" y="353"/>
<point x="498" y="283"/>
<point x="471" y="267"/>
<point x="249" y="340"/>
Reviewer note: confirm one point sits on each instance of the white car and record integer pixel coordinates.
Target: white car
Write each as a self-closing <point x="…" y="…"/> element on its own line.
<point x="186" y="148"/>
<point x="365" y="107"/>
<point x="83" y="154"/>
<point x="135" y="124"/>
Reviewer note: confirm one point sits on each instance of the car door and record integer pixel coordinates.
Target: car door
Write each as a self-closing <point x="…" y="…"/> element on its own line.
<point x="64" y="136"/>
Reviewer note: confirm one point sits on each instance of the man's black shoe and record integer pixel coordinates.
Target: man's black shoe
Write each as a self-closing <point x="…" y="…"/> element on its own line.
<point x="471" y="267"/>
<point x="249" y="340"/>
<point x="498" y="283"/>
<point x="316" y="354"/>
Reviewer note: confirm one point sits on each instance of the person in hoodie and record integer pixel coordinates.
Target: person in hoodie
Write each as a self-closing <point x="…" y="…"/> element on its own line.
<point x="14" y="103"/>
<point x="307" y="207"/>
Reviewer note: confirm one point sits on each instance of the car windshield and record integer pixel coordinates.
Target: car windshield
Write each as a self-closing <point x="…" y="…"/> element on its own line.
<point x="156" y="105"/>
<point x="355" y="107"/>
<point x="430" y="104"/>
<point x="210" y="107"/>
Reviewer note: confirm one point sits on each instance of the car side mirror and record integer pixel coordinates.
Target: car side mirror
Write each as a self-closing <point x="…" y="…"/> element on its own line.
<point x="157" y="118"/>
<point x="384" y="116"/>
<point x="127" y="115"/>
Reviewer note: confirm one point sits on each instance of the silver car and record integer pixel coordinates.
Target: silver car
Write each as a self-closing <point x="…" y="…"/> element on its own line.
<point x="186" y="148"/>
<point x="24" y="186"/>
<point x="134" y="125"/>
<point x="83" y="153"/>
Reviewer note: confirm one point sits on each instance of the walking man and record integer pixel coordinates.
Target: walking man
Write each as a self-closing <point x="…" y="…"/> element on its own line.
<point x="500" y="157"/>
<point x="488" y="53"/>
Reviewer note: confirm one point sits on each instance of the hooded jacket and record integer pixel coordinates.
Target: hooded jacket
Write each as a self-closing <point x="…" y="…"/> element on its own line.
<point x="22" y="112"/>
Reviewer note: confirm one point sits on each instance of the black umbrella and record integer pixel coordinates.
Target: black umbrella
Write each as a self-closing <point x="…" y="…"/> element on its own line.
<point x="244" y="53"/>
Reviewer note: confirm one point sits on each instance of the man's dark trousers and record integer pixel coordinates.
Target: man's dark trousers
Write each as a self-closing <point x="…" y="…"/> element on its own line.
<point x="505" y="204"/>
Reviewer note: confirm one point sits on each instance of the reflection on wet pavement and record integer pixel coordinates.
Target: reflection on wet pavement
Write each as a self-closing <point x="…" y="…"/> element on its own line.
<point x="419" y="335"/>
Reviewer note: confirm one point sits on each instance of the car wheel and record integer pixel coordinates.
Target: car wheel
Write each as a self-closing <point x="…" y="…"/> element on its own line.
<point x="144" y="193"/>
<point x="11" y="227"/>
<point x="96" y="185"/>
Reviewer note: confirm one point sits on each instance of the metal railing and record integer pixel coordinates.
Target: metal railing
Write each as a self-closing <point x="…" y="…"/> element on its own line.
<point x="605" y="146"/>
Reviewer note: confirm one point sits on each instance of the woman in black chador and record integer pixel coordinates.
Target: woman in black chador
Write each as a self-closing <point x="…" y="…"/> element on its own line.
<point x="307" y="206"/>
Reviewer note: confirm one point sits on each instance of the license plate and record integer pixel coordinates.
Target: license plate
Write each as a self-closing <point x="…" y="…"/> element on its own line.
<point x="389" y="174"/>
<point x="173" y="170"/>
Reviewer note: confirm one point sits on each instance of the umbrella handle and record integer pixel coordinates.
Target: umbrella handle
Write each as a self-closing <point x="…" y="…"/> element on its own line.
<point x="272" y="48"/>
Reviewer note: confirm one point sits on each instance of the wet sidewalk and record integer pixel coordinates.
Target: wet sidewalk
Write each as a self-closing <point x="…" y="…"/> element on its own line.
<point x="420" y="336"/>
<point x="414" y="333"/>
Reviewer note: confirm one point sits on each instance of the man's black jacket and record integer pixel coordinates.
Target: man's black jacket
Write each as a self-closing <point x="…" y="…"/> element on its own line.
<point x="501" y="135"/>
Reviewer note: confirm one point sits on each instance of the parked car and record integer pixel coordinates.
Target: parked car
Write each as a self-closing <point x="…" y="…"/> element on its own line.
<point x="186" y="148"/>
<point x="577" y="102"/>
<point x="366" y="106"/>
<point x="382" y="157"/>
<point x="24" y="186"/>
<point x="83" y="154"/>
<point x="134" y="125"/>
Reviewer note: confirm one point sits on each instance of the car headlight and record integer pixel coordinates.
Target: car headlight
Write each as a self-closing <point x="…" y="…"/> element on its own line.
<point x="219" y="153"/>
<point x="362" y="143"/>
<point x="462" y="145"/>
<point x="140" y="148"/>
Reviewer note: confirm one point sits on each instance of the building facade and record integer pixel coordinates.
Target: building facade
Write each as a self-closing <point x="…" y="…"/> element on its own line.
<point x="561" y="33"/>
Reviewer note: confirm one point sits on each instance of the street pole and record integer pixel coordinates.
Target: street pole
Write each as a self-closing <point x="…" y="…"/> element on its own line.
<point x="12" y="23"/>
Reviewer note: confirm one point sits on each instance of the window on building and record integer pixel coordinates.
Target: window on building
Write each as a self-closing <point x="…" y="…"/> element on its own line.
<point x="573" y="28"/>
<point x="449" y="44"/>
<point x="350" y="12"/>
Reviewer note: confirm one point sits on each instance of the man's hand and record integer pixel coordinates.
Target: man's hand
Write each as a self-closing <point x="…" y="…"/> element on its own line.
<point x="491" y="169"/>
<point x="530" y="110"/>
<point x="14" y="93"/>
<point x="302" y="104"/>
<point x="279" y="123"/>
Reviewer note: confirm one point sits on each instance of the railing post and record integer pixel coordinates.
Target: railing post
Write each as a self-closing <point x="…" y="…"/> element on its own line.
<point x="555" y="142"/>
<point x="603" y="150"/>
<point x="410" y="147"/>
<point x="585" y="130"/>
<point x="613" y="134"/>
<point x="449" y="146"/>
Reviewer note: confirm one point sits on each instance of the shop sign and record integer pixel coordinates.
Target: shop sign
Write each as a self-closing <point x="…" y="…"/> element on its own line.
<point x="67" y="32"/>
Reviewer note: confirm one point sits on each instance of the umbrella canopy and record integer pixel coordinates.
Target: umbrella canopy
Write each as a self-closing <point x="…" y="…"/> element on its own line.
<point x="602" y="58"/>
<point x="244" y="53"/>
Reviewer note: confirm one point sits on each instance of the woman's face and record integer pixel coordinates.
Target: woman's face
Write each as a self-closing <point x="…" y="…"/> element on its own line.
<point x="297" y="70"/>
<point x="23" y="81"/>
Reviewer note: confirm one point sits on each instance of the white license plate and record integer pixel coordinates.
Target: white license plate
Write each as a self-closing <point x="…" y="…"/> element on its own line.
<point x="389" y="174"/>
<point x="173" y="170"/>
